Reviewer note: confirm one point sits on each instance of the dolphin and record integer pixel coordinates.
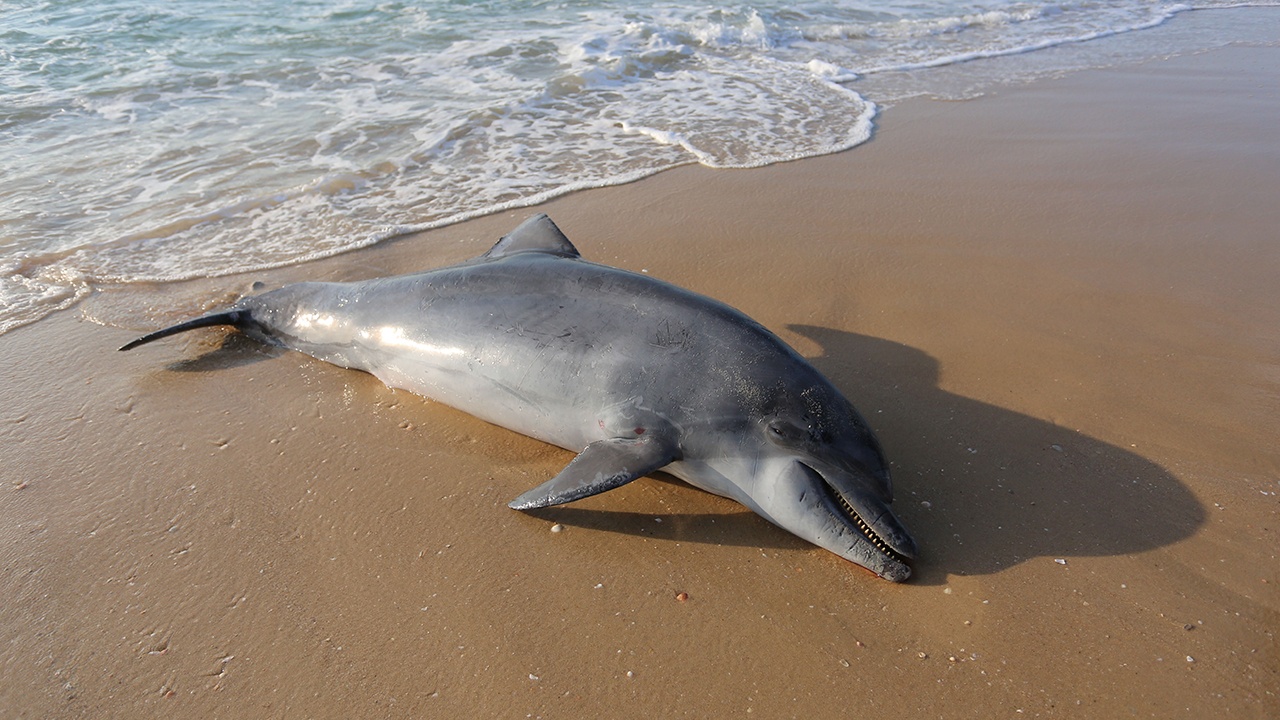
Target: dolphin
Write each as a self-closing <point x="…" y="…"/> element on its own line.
<point x="632" y="373"/>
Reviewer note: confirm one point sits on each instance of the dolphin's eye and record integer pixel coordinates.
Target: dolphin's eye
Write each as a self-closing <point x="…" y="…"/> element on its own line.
<point x="784" y="431"/>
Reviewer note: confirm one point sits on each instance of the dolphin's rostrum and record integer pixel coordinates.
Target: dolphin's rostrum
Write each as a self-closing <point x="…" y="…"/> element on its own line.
<point x="634" y="374"/>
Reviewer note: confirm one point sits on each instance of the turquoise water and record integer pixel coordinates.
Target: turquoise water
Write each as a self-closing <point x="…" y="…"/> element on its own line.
<point x="145" y="142"/>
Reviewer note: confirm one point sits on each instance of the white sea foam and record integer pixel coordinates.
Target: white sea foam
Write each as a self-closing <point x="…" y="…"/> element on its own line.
<point x="158" y="143"/>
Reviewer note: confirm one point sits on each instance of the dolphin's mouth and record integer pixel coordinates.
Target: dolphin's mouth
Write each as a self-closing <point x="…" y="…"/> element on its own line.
<point x="871" y="536"/>
<point x="896" y="563"/>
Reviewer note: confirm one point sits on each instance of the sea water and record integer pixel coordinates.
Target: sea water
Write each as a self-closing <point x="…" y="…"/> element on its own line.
<point x="150" y="142"/>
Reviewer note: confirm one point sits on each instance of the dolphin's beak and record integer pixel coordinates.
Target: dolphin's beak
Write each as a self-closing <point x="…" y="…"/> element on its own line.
<point x="870" y="534"/>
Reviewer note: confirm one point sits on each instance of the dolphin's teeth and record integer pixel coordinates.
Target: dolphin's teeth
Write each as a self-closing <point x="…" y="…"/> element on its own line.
<point x="870" y="535"/>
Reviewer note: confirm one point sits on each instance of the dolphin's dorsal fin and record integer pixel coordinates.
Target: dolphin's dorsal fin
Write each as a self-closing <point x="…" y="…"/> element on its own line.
<point x="603" y="465"/>
<point x="537" y="234"/>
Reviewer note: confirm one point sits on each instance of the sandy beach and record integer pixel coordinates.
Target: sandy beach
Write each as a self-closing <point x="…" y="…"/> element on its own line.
<point x="1057" y="305"/>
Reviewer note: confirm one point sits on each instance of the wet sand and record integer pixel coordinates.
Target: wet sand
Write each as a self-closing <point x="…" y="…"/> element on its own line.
<point x="1057" y="305"/>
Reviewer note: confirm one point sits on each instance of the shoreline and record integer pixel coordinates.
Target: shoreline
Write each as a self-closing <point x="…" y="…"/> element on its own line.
<point x="1055" y="305"/>
<point x="68" y="275"/>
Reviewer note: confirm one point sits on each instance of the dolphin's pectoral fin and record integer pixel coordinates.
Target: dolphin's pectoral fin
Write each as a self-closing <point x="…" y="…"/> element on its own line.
<point x="603" y="465"/>
<point x="537" y="234"/>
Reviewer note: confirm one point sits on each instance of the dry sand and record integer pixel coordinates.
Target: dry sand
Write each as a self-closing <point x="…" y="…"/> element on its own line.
<point x="1058" y="306"/>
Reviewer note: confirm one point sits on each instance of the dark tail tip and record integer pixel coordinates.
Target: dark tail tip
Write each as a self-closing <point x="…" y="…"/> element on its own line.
<point x="236" y="318"/>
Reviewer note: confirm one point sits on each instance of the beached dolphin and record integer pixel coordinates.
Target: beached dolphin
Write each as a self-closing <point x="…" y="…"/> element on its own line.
<point x="633" y="374"/>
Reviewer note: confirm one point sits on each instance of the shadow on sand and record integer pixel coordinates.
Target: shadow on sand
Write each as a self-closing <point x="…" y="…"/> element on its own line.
<point x="980" y="487"/>
<point x="234" y="349"/>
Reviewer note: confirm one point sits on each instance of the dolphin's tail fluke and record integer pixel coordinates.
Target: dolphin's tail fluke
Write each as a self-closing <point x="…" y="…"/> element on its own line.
<point x="237" y="318"/>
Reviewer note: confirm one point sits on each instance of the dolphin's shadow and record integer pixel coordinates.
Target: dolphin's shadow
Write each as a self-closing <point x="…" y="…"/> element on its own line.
<point x="234" y="349"/>
<point x="737" y="529"/>
<point x="740" y="528"/>
<point x="1002" y="487"/>
<point x="980" y="487"/>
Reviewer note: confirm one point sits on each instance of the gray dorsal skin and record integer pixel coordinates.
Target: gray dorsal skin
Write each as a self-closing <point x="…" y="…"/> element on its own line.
<point x="632" y="373"/>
